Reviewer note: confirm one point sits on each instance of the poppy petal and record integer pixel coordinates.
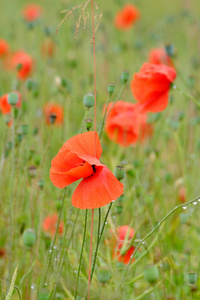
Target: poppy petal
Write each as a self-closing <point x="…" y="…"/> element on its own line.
<point x="98" y="190"/>
<point x="62" y="179"/>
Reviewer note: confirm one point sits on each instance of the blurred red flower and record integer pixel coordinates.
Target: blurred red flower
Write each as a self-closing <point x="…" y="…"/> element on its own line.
<point x="53" y="110"/>
<point x="125" y="125"/>
<point x="49" y="225"/>
<point x="151" y="86"/>
<point x="48" y="48"/>
<point x="159" y="56"/>
<point x="127" y="17"/>
<point x="76" y="160"/>
<point x="23" y="63"/>
<point x="182" y="194"/>
<point x="2" y="252"/>
<point x="4" y="48"/>
<point x="122" y="250"/>
<point x="5" y="107"/>
<point x="31" y="12"/>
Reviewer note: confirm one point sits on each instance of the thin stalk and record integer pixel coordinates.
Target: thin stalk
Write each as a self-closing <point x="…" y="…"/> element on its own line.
<point x="187" y="95"/>
<point x="150" y="233"/>
<point x="50" y="254"/>
<point x="90" y="260"/>
<point x="64" y="256"/>
<point x="118" y="97"/>
<point x="82" y="124"/>
<point x="99" y="240"/>
<point x="81" y="255"/>
<point x="104" y="117"/>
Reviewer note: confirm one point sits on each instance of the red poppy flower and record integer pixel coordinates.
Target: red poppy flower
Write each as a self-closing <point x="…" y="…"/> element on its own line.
<point x="182" y="194"/>
<point x="23" y="63"/>
<point x="55" y="110"/>
<point x="76" y="160"/>
<point x="49" y="225"/>
<point x="125" y="125"/>
<point x="151" y="85"/>
<point x="127" y="17"/>
<point x="4" y="48"/>
<point x="5" y="107"/>
<point x="48" y="48"/>
<point x="31" y="12"/>
<point x="159" y="56"/>
<point x="122" y="250"/>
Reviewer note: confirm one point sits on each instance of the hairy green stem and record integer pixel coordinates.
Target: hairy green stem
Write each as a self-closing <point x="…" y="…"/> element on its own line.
<point x="81" y="255"/>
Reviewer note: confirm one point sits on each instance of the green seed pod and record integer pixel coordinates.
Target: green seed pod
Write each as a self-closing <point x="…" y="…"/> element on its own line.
<point x="170" y="50"/>
<point x="30" y="84"/>
<point x="151" y="274"/>
<point x="25" y="129"/>
<point x="13" y="98"/>
<point x="19" y="66"/>
<point x="103" y="274"/>
<point x="119" y="172"/>
<point x="41" y="183"/>
<point x="29" y="237"/>
<point x="88" y="100"/>
<point x="125" y="77"/>
<point x="88" y="123"/>
<point x="111" y="88"/>
<point x="19" y="136"/>
<point x="192" y="277"/>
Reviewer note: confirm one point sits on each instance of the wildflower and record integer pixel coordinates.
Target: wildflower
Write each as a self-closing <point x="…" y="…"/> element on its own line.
<point x="48" y="48"/>
<point x="159" y="56"/>
<point x="53" y="113"/>
<point x="127" y="17"/>
<point x="77" y="159"/>
<point x="182" y="194"/>
<point x="4" y="48"/>
<point x="125" y="125"/>
<point x="31" y="12"/>
<point x="151" y="85"/>
<point x="23" y="63"/>
<point x="122" y="250"/>
<point x="5" y="107"/>
<point x="49" y="225"/>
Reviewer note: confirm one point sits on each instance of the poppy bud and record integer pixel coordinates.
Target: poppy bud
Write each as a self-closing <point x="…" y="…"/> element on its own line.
<point x="19" y="136"/>
<point x="125" y="77"/>
<point x="88" y="123"/>
<point x="111" y="89"/>
<point x="170" y="50"/>
<point x="88" y="100"/>
<point x="24" y="128"/>
<point x="119" y="172"/>
<point x="29" y="237"/>
<point x="151" y="274"/>
<point x="41" y="183"/>
<point x="103" y="274"/>
<point x="13" y="98"/>
<point x="192" y="277"/>
<point x="30" y="84"/>
<point x="32" y="171"/>
<point x="52" y="118"/>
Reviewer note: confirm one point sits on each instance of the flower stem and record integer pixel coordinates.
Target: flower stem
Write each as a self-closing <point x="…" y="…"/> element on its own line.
<point x="104" y="117"/>
<point x="99" y="240"/>
<point x="81" y="255"/>
<point x="90" y="260"/>
<point x="50" y="253"/>
<point x="150" y="233"/>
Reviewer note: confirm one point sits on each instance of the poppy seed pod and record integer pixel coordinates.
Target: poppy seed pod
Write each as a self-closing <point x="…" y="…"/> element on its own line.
<point x="125" y="77"/>
<point x="151" y="274"/>
<point x="52" y="118"/>
<point x="192" y="277"/>
<point x="30" y="84"/>
<point x="13" y="98"/>
<point x="32" y="171"/>
<point x="111" y="88"/>
<point x="103" y="274"/>
<point x="119" y="172"/>
<point x="29" y="237"/>
<point x="41" y="183"/>
<point x="88" y="123"/>
<point x="88" y="100"/>
<point x="170" y="50"/>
